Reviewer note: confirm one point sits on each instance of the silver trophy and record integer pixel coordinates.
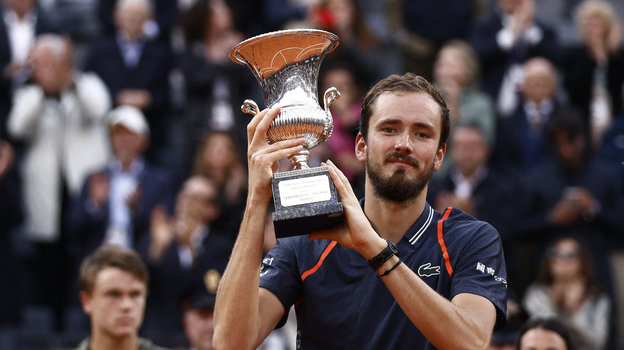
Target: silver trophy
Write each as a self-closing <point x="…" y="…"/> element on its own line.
<point x="286" y="64"/>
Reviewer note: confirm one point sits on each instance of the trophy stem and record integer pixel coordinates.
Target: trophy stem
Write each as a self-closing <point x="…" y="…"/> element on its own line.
<point x="300" y="160"/>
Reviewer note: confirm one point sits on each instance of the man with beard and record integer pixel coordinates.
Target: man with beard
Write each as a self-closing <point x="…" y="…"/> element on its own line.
<point x="437" y="279"/>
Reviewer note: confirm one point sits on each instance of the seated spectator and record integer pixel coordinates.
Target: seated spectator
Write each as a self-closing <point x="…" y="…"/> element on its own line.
<point x="565" y="288"/>
<point x="520" y="136"/>
<point x="455" y="73"/>
<point x="197" y="317"/>
<point x="183" y="249"/>
<point x="545" y="334"/>
<point x="594" y="69"/>
<point x="136" y="70"/>
<point x="117" y="200"/>
<point x="113" y="290"/>
<point x="219" y="159"/>
<point x="573" y="191"/>
<point x="58" y="116"/>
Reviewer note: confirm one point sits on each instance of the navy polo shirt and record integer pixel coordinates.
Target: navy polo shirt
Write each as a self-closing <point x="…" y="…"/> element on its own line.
<point x="341" y="304"/>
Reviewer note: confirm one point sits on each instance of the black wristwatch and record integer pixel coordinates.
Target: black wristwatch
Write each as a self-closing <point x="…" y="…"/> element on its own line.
<point x="379" y="259"/>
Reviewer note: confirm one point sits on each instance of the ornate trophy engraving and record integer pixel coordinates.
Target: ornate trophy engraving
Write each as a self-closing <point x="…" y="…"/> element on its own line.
<point x="286" y="64"/>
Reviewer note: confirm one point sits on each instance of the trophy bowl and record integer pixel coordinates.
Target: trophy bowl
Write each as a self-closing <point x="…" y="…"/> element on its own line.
<point x="286" y="63"/>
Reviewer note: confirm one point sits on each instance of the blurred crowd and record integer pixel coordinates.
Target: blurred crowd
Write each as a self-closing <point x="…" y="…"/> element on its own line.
<point x="120" y="123"/>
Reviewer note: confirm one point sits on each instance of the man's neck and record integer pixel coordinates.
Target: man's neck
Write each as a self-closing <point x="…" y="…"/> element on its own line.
<point x="104" y="342"/>
<point x="392" y="219"/>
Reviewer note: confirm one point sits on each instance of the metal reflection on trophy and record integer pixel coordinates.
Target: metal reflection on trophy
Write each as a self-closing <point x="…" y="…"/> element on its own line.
<point x="286" y="64"/>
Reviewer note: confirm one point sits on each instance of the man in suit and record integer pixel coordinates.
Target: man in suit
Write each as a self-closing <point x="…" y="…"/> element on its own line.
<point x="504" y="41"/>
<point x="183" y="249"/>
<point x="116" y="202"/>
<point x="19" y="25"/>
<point x="135" y="68"/>
<point x="521" y="139"/>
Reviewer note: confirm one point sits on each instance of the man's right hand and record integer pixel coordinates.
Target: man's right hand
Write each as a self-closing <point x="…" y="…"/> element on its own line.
<point x="263" y="157"/>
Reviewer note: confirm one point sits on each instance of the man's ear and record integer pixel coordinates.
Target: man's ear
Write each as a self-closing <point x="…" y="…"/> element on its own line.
<point x="439" y="157"/>
<point x="360" y="147"/>
<point x="85" y="300"/>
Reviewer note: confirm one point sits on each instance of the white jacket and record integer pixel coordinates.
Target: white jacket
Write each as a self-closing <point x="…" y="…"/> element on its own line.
<point x="66" y="139"/>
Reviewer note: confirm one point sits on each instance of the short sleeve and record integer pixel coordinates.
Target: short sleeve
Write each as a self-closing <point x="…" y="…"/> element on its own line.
<point x="480" y="268"/>
<point x="279" y="272"/>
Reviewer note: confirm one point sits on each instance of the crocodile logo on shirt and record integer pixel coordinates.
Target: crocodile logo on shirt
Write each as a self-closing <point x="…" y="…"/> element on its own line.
<point x="426" y="270"/>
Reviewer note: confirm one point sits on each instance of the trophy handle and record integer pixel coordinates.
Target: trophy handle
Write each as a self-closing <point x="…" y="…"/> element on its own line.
<point x="250" y="107"/>
<point x="331" y="94"/>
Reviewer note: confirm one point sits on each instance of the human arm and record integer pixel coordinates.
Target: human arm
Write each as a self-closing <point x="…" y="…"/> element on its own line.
<point x="27" y="108"/>
<point x="470" y="316"/>
<point x="245" y="313"/>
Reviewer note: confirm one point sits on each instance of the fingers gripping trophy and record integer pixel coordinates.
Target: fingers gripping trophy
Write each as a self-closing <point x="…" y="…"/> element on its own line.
<point x="286" y="64"/>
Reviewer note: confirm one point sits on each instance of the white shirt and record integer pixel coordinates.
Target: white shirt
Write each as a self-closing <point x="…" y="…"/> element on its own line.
<point x="21" y="33"/>
<point x="122" y="185"/>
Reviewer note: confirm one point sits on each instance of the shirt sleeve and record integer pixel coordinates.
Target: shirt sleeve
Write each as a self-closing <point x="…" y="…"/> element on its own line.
<point x="480" y="267"/>
<point x="279" y="272"/>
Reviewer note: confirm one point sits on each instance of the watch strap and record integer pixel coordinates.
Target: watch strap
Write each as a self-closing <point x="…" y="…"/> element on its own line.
<point x="379" y="259"/>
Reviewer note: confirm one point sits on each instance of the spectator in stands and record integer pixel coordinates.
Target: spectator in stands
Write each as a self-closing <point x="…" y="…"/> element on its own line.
<point x="594" y="69"/>
<point x="183" y="249"/>
<point x="370" y="57"/>
<point x="215" y="86"/>
<point x="455" y="72"/>
<point x="504" y="41"/>
<point x="545" y="334"/>
<point x="565" y="288"/>
<point x="58" y="115"/>
<point x="346" y="117"/>
<point x="198" y="316"/>
<point x="113" y="290"/>
<point x="136" y="70"/>
<point x="219" y="159"/>
<point x="158" y="26"/>
<point x="19" y="26"/>
<point x="573" y="191"/>
<point x="117" y="200"/>
<point x="521" y="136"/>
<point x="421" y="28"/>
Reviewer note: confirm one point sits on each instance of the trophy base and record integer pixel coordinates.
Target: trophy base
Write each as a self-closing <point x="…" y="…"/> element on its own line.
<point x="305" y="201"/>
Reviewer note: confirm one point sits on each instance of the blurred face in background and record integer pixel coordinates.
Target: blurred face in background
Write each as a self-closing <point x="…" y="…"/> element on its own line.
<point x="130" y="16"/>
<point x="542" y="339"/>
<point x="565" y="259"/>
<point x="199" y="327"/>
<point x="449" y="67"/>
<point x="127" y="145"/>
<point x="469" y="149"/>
<point x="540" y="80"/>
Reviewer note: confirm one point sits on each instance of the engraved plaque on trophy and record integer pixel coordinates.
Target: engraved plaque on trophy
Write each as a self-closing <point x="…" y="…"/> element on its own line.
<point x="286" y="64"/>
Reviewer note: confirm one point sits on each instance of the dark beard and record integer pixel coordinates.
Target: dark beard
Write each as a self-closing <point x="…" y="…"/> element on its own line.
<point x="399" y="187"/>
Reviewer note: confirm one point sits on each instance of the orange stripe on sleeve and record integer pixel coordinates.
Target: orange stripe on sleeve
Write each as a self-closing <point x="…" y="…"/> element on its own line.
<point x="447" y="260"/>
<point x="320" y="262"/>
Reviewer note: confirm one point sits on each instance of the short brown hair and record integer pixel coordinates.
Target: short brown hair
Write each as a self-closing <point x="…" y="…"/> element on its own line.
<point x="111" y="256"/>
<point x="408" y="82"/>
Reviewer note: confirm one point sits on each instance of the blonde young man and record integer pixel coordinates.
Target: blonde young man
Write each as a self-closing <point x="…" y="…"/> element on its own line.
<point x="113" y="290"/>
